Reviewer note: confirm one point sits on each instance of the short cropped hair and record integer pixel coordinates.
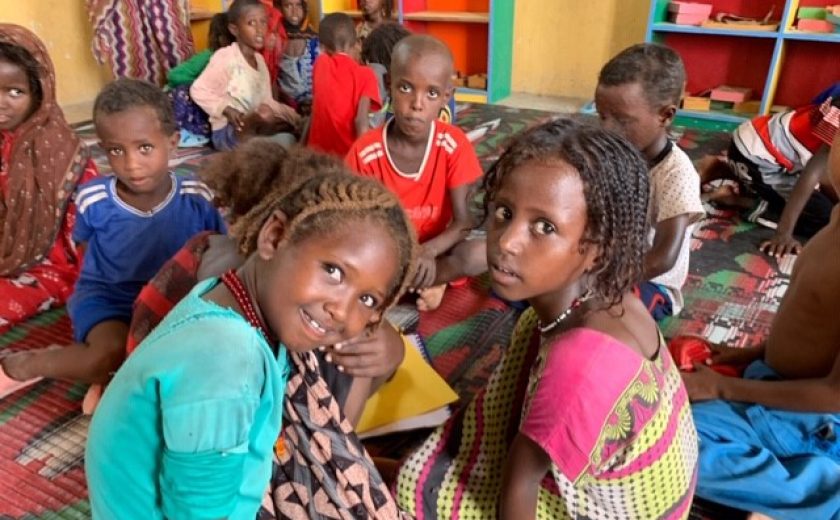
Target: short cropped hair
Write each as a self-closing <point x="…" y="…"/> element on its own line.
<point x="659" y="70"/>
<point x="125" y="93"/>
<point x="337" y="32"/>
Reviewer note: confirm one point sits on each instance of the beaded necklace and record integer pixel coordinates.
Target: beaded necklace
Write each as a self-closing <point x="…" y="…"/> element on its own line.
<point x="577" y="302"/>
<point x="240" y="294"/>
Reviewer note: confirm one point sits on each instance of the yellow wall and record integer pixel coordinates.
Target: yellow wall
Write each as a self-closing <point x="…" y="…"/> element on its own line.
<point x="64" y="27"/>
<point x="560" y="45"/>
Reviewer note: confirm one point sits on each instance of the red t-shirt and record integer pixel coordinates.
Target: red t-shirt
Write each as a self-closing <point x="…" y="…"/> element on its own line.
<point x="338" y="84"/>
<point x="449" y="162"/>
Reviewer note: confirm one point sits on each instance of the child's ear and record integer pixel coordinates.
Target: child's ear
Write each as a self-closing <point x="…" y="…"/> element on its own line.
<point x="174" y="140"/>
<point x="590" y="254"/>
<point x="667" y="114"/>
<point x="234" y="30"/>
<point x="272" y="234"/>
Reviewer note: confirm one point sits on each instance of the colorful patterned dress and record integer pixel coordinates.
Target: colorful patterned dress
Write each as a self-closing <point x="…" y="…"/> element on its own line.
<point x="617" y="428"/>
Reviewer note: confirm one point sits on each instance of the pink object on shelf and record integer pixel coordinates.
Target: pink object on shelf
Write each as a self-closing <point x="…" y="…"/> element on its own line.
<point x="820" y="26"/>
<point x="690" y="8"/>
<point x="731" y="94"/>
<point x="687" y="18"/>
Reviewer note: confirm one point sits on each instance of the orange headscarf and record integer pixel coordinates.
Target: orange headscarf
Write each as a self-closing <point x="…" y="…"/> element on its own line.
<point x="46" y="162"/>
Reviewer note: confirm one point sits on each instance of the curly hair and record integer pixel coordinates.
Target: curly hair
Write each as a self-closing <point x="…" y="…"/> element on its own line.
<point x="327" y="202"/>
<point x="377" y="47"/>
<point x="615" y="186"/>
<point x="219" y="35"/>
<point x="387" y="8"/>
<point x="241" y="178"/>
<point x="17" y="55"/>
<point x="659" y="70"/>
<point x="125" y="93"/>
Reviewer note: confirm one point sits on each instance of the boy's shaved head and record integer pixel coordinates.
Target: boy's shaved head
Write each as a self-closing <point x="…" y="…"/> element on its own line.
<point x="418" y="46"/>
<point x="337" y="32"/>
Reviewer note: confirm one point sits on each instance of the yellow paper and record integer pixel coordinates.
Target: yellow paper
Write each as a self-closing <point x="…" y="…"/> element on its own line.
<point x="415" y="389"/>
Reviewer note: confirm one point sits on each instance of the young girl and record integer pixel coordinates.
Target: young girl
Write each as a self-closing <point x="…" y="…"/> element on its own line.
<point x="374" y="12"/>
<point x="299" y="53"/>
<point x="199" y="402"/>
<point x="586" y="415"/>
<point x="192" y="120"/>
<point x="235" y="88"/>
<point x="42" y="161"/>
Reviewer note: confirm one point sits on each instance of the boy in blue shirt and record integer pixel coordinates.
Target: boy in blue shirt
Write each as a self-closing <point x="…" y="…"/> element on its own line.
<point x="129" y="225"/>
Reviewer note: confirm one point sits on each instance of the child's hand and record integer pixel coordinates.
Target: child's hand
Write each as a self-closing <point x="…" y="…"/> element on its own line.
<point x="781" y="245"/>
<point x="703" y="384"/>
<point x="722" y="355"/>
<point x="373" y="354"/>
<point x="235" y="117"/>
<point x="288" y="114"/>
<point x="426" y="270"/>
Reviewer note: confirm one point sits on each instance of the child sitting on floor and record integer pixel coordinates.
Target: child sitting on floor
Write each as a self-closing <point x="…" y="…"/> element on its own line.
<point x="200" y="402"/>
<point x="192" y="120"/>
<point x="769" y="442"/>
<point x="585" y="416"/>
<point x="300" y="50"/>
<point x="374" y="14"/>
<point x="429" y="164"/>
<point x="376" y="53"/>
<point x="779" y="162"/>
<point x="343" y="91"/>
<point x="42" y="161"/>
<point x="637" y="95"/>
<point x="235" y="89"/>
<point x="129" y="225"/>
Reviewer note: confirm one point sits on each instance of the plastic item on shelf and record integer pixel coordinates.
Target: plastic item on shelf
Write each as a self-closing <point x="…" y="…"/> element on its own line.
<point x="477" y="81"/>
<point x="817" y="26"/>
<point x="811" y="13"/>
<point x="731" y="94"/>
<point x="697" y="103"/>
<point x="687" y="18"/>
<point x="753" y="106"/>
<point x="688" y="13"/>
<point x="833" y="19"/>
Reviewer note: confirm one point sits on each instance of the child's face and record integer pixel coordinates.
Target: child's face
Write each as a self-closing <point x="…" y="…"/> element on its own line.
<point x="15" y="97"/>
<point x="370" y="7"/>
<point x="534" y="234"/>
<point x="292" y="11"/>
<point x="138" y="149"/>
<point x="419" y="89"/>
<point x="251" y="27"/>
<point x="326" y="288"/>
<point x="626" y="110"/>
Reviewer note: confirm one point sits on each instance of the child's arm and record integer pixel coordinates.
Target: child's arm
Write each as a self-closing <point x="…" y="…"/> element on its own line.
<point x="525" y="467"/>
<point x="455" y="232"/>
<point x="667" y="242"/>
<point x="209" y="90"/>
<point x="362" y="120"/>
<point x="782" y="242"/>
<point x="818" y="395"/>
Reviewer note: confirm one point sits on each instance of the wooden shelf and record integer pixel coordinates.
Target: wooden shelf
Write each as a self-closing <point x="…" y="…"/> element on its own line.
<point x="793" y="34"/>
<point x="447" y="16"/>
<point x="693" y="29"/>
<point x="197" y="15"/>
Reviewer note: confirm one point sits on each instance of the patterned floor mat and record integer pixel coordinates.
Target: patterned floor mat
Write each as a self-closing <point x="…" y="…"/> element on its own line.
<point x="731" y="295"/>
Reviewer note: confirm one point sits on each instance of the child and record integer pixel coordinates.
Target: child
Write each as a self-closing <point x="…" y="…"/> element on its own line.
<point x="430" y="165"/>
<point x="201" y="448"/>
<point x="374" y="13"/>
<point x="637" y="95"/>
<point x="778" y="160"/>
<point x="42" y="161"/>
<point x="585" y="416"/>
<point x="129" y="225"/>
<point x="192" y="120"/>
<point x="235" y="89"/>
<point x="343" y="92"/>
<point x="768" y="442"/>
<point x="299" y="54"/>
<point x="376" y="53"/>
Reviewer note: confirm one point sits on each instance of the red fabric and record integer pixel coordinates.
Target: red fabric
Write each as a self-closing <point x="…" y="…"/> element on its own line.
<point x="687" y="350"/>
<point x="5" y="152"/>
<point x="338" y="84"/>
<point x="450" y="162"/>
<point x="50" y="282"/>
<point x="807" y="126"/>
<point x="275" y="40"/>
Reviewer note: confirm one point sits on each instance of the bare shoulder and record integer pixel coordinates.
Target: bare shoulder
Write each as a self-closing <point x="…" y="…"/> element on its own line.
<point x="628" y="322"/>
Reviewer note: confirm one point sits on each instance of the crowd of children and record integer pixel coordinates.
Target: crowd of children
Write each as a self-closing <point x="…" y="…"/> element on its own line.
<point x="585" y="415"/>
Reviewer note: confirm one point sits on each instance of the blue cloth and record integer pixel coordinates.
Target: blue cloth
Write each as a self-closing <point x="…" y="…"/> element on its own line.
<point x="831" y="92"/>
<point x="224" y="138"/>
<point x="780" y="463"/>
<point x="126" y="247"/>
<point x="186" y="428"/>
<point x="656" y="298"/>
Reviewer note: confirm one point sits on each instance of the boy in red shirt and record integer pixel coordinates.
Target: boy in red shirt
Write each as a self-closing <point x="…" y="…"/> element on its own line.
<point x="343" y="91"/>
<point x="427" y="163"/>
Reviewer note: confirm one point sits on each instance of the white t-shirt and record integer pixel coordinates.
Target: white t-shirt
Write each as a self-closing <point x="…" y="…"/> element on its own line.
<point x="674" y="191"/>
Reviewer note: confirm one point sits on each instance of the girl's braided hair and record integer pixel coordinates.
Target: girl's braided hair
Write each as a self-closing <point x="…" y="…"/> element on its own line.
<point x="615" y="186"/>
<point x="331" y="201"/>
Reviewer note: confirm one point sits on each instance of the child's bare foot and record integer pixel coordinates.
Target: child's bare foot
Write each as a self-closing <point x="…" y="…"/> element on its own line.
<point x="430" y="297"/>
